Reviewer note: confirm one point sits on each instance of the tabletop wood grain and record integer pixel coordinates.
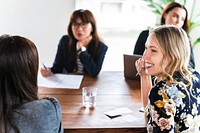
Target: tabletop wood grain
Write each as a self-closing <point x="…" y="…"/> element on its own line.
<point x="113" y="92"/>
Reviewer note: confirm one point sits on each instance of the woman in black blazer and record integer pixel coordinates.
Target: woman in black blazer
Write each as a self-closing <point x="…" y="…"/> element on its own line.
<point x="81" y="51"/>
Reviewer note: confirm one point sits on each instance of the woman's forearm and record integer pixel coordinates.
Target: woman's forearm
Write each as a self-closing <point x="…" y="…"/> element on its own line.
<point x="146" y="85"/>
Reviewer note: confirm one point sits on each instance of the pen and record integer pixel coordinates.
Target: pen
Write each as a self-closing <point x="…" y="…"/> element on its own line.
<point x="139" y="71"/>
<point x="45" y="66"/>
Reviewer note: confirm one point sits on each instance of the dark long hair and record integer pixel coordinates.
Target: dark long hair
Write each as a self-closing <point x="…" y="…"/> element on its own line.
<point x="18" y="78"/>
<point x="170" y="7"/>
<point x="85" y="16"/>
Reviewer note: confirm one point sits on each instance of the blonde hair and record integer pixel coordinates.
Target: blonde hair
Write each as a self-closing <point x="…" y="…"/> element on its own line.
<point x="174" y="44"/>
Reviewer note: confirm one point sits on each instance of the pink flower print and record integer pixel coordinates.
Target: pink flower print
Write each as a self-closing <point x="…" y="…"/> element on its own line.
<point x="164" y="124"/>
<point x="155" y="116"/>
<point x="169" y="108"/>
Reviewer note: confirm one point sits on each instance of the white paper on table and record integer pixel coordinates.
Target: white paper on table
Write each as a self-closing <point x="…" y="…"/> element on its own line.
<point x="129" y="118"/>
<point x="60" y="81"/>
<point x="118" y="112"/>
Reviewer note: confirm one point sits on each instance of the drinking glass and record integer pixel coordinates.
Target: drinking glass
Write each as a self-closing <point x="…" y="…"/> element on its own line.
<point x="89" y="95"/>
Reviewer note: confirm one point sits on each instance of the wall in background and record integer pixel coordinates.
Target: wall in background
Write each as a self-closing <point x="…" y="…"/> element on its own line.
<point x="45" y="21"/>
<point x="42" y="21"/>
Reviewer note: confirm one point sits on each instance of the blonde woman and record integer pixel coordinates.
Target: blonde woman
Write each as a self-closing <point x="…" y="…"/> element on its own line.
<point x="172" y="104"/>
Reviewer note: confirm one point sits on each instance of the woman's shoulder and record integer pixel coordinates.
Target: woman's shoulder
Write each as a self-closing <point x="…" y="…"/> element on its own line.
<point x="65" y="38"/>
<point x="145" y="31"/>
<point x="102" y="44"/>
<point x="31" y="115"/>
<point x="49" y="101"/>
<point x="64" y="41"/>
<point x="144" y="34"/>
<point x="157" y="87"/>
<point x="43" y="105"/>
<point x="160" y="84"/>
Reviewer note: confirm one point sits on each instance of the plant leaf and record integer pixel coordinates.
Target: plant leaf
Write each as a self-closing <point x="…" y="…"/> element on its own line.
<point x="167" y="1"/>
<point x="196" y="42"/>
<point x="193" y="25"/>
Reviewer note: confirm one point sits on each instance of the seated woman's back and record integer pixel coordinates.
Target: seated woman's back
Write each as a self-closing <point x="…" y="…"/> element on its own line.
<point x="21" y="110"/>
<point x="39" y="116"/>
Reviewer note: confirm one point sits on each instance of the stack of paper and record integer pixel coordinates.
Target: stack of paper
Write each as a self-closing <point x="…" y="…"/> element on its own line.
<point x="61" y="81"/>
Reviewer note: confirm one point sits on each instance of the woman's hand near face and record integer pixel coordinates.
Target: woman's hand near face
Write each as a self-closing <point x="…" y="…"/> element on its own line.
<point x="145" y="80"/>
<point x="46" y="72"/>
<point x="140" y="66"/>
<point x="84" y="42"/>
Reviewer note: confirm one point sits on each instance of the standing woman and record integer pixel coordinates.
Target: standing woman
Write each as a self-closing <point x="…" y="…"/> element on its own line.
<point x="81" y="51"/>
<point x="173" y="14"/>
<point x="172" y="104"/>
<point x="20" y="109"/>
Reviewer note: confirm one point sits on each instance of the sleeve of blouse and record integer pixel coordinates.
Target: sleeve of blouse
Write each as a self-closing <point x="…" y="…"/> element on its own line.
<point x="140" y="43"/>
<point x="58" y="114"/>
<point x="91" y="64"/>
<point x="59" y="60"/>
<point x="161" y="110"/>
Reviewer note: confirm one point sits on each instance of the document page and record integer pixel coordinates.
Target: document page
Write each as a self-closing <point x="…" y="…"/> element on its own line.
<point x="60" y="81"/>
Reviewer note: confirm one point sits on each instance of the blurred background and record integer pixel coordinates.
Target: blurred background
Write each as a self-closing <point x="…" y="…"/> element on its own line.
<point x="119" y="23"/>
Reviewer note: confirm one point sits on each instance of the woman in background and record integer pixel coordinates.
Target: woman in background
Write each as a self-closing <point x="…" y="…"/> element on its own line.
<point x="172" y="104"/>
<point x="81" y="51"/>
<point x="173" y="14"/>
<point x="20" y="109"/>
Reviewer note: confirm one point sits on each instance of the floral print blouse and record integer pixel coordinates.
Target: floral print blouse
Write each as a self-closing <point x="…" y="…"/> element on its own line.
<point x="172" y="109"/>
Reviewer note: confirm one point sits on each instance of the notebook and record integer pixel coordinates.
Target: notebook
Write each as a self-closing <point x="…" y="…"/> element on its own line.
<point x="129" y="66"/>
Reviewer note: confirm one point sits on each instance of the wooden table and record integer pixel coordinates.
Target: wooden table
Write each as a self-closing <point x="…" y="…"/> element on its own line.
<point x="113" y="92"/>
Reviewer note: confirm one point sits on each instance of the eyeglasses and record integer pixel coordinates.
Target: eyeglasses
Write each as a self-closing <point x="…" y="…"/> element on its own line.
<point x="82" y="25"/>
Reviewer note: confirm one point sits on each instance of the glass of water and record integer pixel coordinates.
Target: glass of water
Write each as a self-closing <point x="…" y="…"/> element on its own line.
<point x="89" y="95"/>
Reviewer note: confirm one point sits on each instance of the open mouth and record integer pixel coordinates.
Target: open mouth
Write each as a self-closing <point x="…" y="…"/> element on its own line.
<point x="148" y="65"/>
<point x="79" y="34"/>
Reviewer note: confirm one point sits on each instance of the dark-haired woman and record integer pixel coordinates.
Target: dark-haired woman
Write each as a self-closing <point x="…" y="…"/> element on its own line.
<point x="81" y="51"/>
<point x="21" y="111"/>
